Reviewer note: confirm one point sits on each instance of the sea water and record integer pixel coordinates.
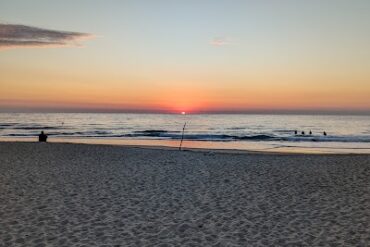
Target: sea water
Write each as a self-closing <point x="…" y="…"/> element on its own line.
<point x="258" y="132"/>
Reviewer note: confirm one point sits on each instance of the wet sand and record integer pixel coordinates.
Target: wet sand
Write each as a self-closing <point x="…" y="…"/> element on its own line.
<point x="54" y="194"/>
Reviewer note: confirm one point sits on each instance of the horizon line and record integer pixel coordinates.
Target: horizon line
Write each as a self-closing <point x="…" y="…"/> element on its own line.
<point x="195" y="112"/>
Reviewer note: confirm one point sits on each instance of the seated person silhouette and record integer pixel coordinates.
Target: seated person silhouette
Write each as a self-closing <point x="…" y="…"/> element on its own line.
<point x="43" y="137"/>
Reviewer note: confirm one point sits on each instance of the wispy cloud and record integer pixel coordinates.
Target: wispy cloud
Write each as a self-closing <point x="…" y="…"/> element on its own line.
<point x="222" y="41"/>
<point x="18" y="36"/>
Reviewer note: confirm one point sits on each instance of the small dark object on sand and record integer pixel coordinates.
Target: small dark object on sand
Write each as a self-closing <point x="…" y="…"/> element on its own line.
<point x="302" y="133"/>
<point x="324" y="133"/>
<point x="43" y="137"/>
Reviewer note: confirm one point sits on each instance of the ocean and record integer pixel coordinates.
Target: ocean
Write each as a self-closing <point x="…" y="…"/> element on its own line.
<point x="254" y="132"/>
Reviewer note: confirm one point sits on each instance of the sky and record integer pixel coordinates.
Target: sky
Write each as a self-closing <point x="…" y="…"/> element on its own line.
<point x="193" y="56"/>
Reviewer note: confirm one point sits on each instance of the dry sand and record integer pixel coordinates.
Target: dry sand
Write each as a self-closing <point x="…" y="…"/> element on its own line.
<point x="91" y="195"/>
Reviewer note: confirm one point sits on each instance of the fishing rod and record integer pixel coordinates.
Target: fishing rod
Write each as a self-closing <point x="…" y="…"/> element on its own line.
<point x="182" y="136"/>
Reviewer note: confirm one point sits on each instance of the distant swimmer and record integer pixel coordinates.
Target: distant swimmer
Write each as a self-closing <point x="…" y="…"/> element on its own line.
<point x="302" y="133"/>
<point x="295" y="132"/>
<point x="310" y="132"/>
<point x="43" y="137"/>
<point x="324" y="133"/>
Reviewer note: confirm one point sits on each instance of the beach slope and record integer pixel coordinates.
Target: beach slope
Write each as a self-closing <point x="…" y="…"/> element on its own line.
<point x="54" y="194"/>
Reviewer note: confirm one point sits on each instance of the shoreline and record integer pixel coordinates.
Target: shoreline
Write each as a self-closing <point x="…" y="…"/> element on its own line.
<point x="198" y="146"/>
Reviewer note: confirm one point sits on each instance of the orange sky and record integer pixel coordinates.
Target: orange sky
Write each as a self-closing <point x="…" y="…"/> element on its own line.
<point x="260" y="57"/>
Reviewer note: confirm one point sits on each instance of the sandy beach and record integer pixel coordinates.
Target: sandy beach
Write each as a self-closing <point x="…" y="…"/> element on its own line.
<point x="54" y="194"/>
